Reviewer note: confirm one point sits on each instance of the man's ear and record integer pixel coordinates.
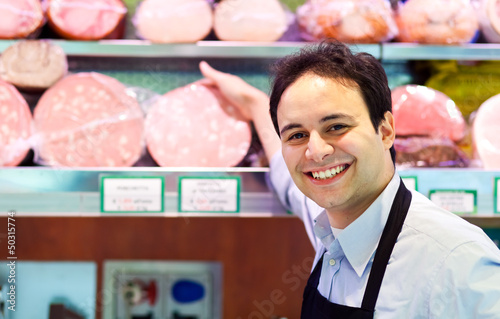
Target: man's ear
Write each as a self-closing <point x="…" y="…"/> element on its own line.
<point x="387" y="129"/>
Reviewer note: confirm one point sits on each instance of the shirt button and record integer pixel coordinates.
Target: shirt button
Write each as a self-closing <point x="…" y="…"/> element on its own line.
<point x="332" y="262"/>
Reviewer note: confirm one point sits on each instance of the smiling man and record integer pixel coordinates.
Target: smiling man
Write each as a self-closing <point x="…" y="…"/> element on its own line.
<point x="381" y="250"/>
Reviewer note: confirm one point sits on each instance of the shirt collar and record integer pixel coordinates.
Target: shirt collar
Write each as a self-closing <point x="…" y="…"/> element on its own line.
<point x="360" y="239"/>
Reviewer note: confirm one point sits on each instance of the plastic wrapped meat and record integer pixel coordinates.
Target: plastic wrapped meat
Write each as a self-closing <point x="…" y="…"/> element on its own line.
<point x="189" y="127"/>
<point x="88" y="120"/>
<point x="350" y="21"/>
<point x="256" y="20"/>
<point x="488" y="13"/>
<point x="428" y="125"/>
<point x="422" y="111"/>
<point x="33" y="65"/>
<point x="87" y="19"/>
<point x="173" y="21"/>
<point x="15" y="126"/>
<point x="486" y="133"/>
<point x="437" y="22"/>
<point x="20" y="18"/>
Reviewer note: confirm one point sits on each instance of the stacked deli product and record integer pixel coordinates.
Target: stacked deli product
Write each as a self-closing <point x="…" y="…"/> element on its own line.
<point x="256" y="20"/>
<point x="428" y="128"/>
<point x="15" y="125"/>
<point x="350" y="21"/>
<point x="486" y="133"/>
<point x="190" y="127"/>
<point x="88" y="120"/>
<point x="87" y="19"/>
<point x="173" y="21"/>
<point x="20" y="18"/>
<point x="436" y="22"/>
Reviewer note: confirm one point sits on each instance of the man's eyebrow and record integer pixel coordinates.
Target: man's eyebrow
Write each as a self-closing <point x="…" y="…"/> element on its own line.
<point x="336" y="116"/>
<point x="288" y="127"/>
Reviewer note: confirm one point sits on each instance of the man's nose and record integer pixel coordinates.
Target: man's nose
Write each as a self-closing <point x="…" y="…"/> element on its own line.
<point x="317" y="148"/>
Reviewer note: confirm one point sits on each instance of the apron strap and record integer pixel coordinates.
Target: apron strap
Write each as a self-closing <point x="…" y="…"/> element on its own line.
<point x="390" y="234"/>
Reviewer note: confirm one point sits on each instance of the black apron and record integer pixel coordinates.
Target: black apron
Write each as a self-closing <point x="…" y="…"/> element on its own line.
<point x="315" y="306"/>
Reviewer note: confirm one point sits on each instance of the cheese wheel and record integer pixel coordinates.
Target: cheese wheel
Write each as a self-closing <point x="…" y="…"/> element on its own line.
<point x="20" y="18"/>
<point x="188" y="127"/>
<point x="85" y="19"/>
<point x="33" y="65"/>
<point x="88" y="120"/>
<point x="256" y="20"/>
<point x="422" y="111"/>
<point x="173" y="21"/>
<point x="15" y="125"/>
<point x="351" y="21"/>
<point x="486" y="132"/>
<point x="437" y="22"/>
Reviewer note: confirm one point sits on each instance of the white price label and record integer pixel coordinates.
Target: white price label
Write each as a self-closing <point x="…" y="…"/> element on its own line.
<point x="209" y="194"/>
<point x="456" y="201"/>
<point x="132" y="194"/>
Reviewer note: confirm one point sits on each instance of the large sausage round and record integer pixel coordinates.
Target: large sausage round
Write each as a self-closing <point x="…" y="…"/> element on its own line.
<point x="20" y="18"/>
<point x="256" y="20"/>
<point x="188" y="127"/>
<point x="486" y="132"/>
<point x="88" y="120"/>
<point x="85" y="19"/>
<point x="423" y="111"/>
<point x="173" y="21"/>
<point x="15" y="125"/>
<point x="33" y="65"/>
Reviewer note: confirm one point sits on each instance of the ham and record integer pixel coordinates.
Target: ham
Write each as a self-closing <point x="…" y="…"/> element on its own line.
<point x="256" y="20"/>
<point x="486" y="132"/>
<point x="88" y="120"/>
<point x="15" y="125"/>
<point x="423" y="111"/>
<point x="173" y="21"/>
<point x="20" y="18"/>
<point x="86" y="19"/>
<point x="189" y="127"/>
<point x="437" y="22"/>
<point x="33" y="65"/>
<point x="351" y="21"/>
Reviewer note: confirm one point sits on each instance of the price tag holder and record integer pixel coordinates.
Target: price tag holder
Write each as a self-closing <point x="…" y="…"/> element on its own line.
<point x="120" y="194"/>
<point x="496" y="196"/>
<point x="411" y="182"/>
<point x="209" y="194"/>
<point x="456" y="201"/>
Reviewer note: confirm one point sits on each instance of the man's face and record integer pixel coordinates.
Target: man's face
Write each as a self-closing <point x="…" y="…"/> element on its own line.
<point x="330" y="146"/>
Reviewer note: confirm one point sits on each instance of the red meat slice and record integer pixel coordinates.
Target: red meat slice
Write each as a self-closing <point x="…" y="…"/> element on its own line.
<point x="88" y="120"/>
<point x="422" y="111"/>
<point x="20" y="18"/>
<point x="486" y="132"/>
<point x="15" y="125"/>
<point x="85" y="19"/>
<point x="188" y="127"/>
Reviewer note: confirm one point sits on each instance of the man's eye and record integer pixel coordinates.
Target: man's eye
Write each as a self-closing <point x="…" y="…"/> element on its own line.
<point x="296" y="136"/>
<point x="337" y="127"/>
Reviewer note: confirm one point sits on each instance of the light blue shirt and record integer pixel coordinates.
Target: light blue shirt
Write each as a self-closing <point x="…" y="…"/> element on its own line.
<point x="441" y="266"/>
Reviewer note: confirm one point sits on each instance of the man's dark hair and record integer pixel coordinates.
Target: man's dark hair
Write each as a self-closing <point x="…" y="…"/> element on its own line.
<point x="333" y="59"/>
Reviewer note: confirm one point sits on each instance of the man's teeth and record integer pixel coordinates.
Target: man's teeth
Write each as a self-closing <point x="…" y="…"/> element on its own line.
<point x="329" y="173"/>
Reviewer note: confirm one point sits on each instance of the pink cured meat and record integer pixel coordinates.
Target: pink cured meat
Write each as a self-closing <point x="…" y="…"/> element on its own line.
<point x="188" y="127"/>
<point x="20" y="18"/>
<point x="85" y="19"/>
<point x="420" y="110"/>
<point x="88" y="120"/>
<point x="15" y="125"/>
<point x="173" y="21"/>
<point x="486" y="132"/>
